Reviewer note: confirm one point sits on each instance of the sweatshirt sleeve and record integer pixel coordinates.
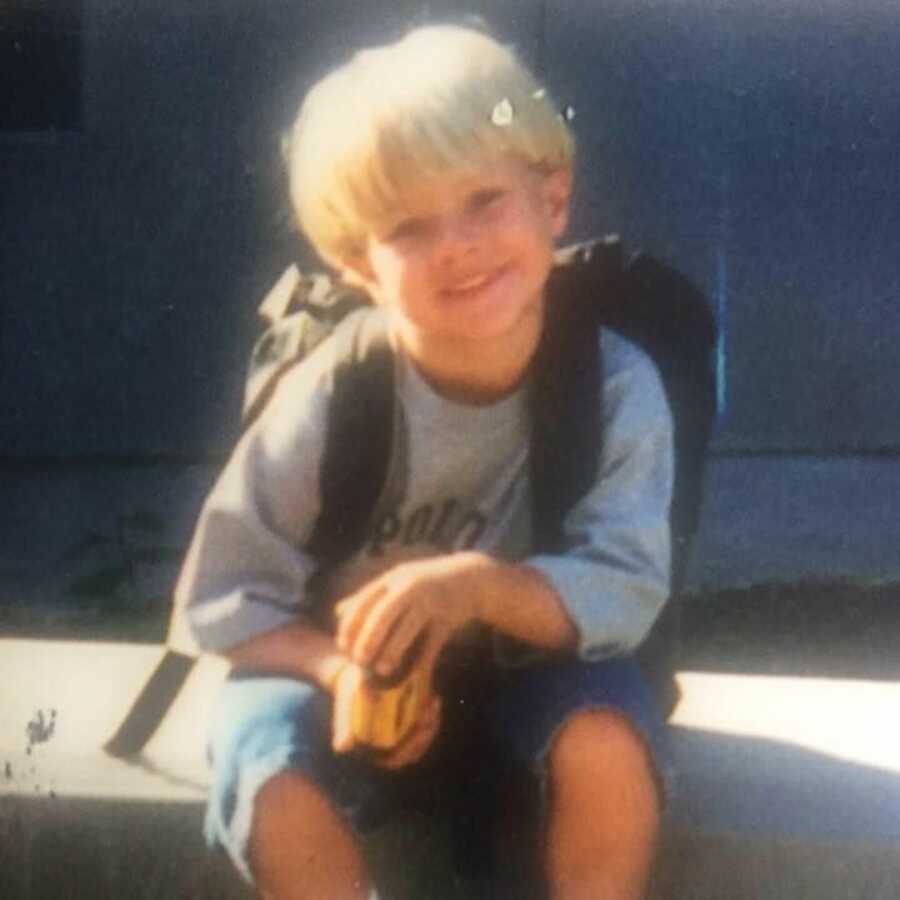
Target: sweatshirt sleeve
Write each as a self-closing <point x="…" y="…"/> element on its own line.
<point x="614" y="578"/>
<point x="246" y="571"/>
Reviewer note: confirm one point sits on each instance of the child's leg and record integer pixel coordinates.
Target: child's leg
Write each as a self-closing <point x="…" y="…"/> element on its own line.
<point x="281" y="802"/>
<point x="603" y="810"/>
<point x="300" y="848"/>
<point x="599" y="747"/>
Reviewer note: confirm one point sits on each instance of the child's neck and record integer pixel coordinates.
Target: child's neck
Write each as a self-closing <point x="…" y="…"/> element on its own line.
<point x="476" y="373"/>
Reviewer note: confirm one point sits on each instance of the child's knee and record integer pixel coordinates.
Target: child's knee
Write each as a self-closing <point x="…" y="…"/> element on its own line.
<point x="286" y="795"/>
<point x="273" y="793"/>
<point x="299" y="846"/>
<point x="288" y="808"/>
<point x="596" y="746"/>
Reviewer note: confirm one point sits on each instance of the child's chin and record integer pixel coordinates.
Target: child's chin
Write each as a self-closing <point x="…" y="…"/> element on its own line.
<point x="494" y="323"/>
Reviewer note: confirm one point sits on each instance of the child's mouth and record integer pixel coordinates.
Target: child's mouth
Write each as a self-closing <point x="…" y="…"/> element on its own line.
<point x="472" y="285"/>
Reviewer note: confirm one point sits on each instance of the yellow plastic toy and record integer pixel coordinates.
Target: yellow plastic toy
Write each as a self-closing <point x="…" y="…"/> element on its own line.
<point x="385" y="714"/>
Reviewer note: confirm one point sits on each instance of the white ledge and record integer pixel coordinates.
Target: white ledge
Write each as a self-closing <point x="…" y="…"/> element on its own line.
<point x="755" y="753"/>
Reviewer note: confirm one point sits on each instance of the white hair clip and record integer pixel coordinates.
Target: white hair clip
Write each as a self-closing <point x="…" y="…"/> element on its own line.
<point x="503" y="113"/>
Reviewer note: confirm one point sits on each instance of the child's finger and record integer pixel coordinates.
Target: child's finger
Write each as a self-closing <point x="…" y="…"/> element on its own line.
<point x="349" y="614"/>
<point x="384" y="618"/>
<point x="349" y="683"/>
<point x="389" y="653"/>
<point x="352" y="613"/>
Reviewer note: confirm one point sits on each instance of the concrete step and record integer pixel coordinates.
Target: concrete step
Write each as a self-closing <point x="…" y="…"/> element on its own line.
<point x="790" y="788"/>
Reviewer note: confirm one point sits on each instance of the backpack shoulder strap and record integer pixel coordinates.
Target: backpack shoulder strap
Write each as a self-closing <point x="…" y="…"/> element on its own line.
<point x="359" y="437"/>
<point x="567" y="378"/>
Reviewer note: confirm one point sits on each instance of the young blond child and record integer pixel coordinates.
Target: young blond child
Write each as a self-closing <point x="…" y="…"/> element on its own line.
<point x="435" y="173"/>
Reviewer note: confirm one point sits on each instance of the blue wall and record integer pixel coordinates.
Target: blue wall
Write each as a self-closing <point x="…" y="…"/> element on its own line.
<point x="133" y="252"/>
<point x="756" y="144"/>
<point x="753" y="143"/>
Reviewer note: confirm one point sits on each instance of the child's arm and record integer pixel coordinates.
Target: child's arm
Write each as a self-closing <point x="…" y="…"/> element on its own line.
<point x="246" y="571"/>
<point x="297" y="650"/>
<point x="614" y="575"/>
<point x="441" y="595"/>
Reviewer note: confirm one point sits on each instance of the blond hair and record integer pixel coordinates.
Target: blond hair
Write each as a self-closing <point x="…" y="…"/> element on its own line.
<point x="442" y="99"/>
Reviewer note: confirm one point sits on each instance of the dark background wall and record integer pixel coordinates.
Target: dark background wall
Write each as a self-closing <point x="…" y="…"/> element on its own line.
<point x="754" y="144"/>
<point x="135" y="246"/>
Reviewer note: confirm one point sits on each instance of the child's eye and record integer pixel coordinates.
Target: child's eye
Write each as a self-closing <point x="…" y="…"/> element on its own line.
<point x="408" y="229"/>
<point x="483" y="199"/>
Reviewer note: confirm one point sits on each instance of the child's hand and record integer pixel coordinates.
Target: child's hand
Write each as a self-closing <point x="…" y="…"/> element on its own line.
<point x="356" y="700"/>
<point x="415" y="745"/>
<point x="380" y="623"/>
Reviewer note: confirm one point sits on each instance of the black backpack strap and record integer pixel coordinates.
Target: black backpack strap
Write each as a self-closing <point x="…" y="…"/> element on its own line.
<point x="151" y="705"/>
<point x="358" y="440"/>
<point x="356" y="456"/>
<point x="567" y="378"/>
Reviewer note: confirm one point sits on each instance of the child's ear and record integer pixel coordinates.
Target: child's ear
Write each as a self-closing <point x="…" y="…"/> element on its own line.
<point x="557" y="192"/>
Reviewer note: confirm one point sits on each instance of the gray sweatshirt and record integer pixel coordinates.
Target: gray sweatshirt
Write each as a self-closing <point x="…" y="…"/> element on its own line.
<point x="458" y="479"/>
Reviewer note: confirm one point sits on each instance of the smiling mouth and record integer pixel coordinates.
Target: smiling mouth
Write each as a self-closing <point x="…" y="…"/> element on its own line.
<point x="472" y="285"/>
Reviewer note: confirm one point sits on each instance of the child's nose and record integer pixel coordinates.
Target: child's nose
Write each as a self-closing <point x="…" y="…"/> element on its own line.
<point x="459" y="239"/>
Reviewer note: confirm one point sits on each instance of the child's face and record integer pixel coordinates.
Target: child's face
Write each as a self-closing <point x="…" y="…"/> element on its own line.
<point x="469" y="261"/>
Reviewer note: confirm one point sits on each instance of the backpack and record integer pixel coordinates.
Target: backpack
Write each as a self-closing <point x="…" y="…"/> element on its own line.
<point x="592" y="285"/>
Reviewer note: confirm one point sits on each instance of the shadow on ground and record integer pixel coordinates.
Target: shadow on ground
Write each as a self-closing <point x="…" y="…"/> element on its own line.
<point x="830" y="629"/>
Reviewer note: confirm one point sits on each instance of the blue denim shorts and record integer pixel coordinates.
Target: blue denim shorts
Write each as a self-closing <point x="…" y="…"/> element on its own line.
<point x="263" y="725"/>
